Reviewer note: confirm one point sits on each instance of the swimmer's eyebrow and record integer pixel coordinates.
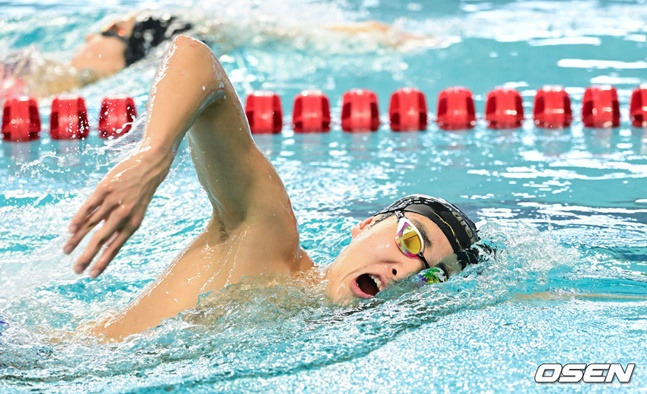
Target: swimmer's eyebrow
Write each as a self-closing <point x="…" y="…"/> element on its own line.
<point x="423" y="232"/>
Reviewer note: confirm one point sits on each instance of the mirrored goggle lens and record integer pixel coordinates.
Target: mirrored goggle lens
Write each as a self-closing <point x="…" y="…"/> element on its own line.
<point x="408" y="239"/>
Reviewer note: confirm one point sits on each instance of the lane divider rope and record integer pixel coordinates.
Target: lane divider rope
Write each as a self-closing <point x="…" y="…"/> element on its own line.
<point x="359" y="112"/>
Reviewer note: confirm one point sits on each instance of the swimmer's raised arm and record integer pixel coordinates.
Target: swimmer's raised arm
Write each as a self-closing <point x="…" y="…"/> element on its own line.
<point x="190" y="88"/>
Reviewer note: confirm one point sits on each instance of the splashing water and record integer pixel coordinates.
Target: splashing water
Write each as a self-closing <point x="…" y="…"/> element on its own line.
<point x="565" y="210"/>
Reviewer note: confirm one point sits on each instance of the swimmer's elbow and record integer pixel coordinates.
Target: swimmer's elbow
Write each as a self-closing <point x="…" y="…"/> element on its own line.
<point x="184" y="41"/>
<point x="193" y="49"/>
<point x="199" y="58"/>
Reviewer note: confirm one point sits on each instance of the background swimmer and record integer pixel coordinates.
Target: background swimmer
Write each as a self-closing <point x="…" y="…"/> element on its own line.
<point x="253" y="229"/>
<point x="120" y="44"/>
<point x="127" y="40"/>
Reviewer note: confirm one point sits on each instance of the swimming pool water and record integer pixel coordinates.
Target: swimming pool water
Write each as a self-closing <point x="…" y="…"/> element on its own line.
<point x="566" y="208"/>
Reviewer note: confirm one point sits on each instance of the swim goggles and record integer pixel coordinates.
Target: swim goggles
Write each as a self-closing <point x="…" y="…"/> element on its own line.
<point x="411" y="244"/>
<point x="409" y="239"/>
<point x="114" y="30"/>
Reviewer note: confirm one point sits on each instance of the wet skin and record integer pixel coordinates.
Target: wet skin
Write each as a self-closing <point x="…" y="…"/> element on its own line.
<point x="104" y="55"/>
<point x="253" y="229"/>
<point x="374" y="251"/>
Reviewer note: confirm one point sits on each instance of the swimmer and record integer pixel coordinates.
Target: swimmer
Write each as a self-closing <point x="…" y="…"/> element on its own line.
<point x="125" y="41"/>
<point x="118" y="45"/>
<point x="253" y="229"/>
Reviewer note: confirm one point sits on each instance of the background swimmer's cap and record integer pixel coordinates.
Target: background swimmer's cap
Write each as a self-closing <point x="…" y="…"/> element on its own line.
<point x="454" y="223"/>
<point x="150" y="31"/>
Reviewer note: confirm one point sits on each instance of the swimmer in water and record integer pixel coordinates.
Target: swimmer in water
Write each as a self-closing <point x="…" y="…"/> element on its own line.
<point x="253" y="229"/>
<point x="117" y="46"/>
<point x="125" y="41"/>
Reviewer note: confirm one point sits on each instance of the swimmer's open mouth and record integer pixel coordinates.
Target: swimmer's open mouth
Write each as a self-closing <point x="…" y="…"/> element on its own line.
<point x="368" y="285"/>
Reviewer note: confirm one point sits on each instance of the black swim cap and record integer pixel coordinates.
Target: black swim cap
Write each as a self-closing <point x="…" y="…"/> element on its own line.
<point x="454" y="223"/>
<point x="150" y="31"/>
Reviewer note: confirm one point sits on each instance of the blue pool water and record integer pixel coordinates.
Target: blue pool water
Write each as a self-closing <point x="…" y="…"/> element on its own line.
<point x="567" y="209"/>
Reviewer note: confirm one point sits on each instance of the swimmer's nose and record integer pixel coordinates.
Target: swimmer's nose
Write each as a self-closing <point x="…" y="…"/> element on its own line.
<point x="90" y="36"/>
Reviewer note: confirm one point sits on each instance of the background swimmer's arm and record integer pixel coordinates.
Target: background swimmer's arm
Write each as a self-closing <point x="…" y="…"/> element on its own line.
<point x="385" y="34"/>
<point x="360" y="27"/>
<point x="227" y="33"/>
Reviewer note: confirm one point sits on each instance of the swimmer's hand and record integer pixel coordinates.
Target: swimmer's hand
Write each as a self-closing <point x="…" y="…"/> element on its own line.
<point x="119" y="201"/>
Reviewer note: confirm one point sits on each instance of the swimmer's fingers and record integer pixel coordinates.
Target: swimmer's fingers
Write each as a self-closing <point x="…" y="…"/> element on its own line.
<point x="114" y="245"/>
<point x="91" y="204"/>
<point x="115" y="222"/>
<point x="85" y="226"/>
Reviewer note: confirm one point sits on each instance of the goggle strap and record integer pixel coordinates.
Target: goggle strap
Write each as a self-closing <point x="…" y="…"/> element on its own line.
<point x="110" y="33"/>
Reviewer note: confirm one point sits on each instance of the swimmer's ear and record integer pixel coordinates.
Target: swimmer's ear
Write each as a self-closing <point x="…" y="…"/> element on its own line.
<point x="361" y="226"/>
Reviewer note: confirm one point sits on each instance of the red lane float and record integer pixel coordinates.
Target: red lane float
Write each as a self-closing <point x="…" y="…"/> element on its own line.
<point x="552" y="108"/>
<point x="638" y="107"/>
<point x="20" y="119"/>
<point x="456" y="109"/>
<point x="311" y="112"/>
<point x="69" y="118"/>
<point x="600" y="107"/>
<point x="504" y="109"/>
<point x="408" y="110"/>
<point x="116" y="116"/>
<point x="359" y="111"/>
<point x="264" y="113"/>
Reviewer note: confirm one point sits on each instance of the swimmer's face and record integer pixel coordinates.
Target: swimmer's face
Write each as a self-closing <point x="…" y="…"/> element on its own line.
<point x="373" y="255"/>
<point x="105" y="55"/>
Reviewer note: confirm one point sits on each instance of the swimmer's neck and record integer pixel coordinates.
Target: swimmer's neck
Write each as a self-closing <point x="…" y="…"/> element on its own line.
<point x="310" y="274"/>
<point x="308" y="271"/>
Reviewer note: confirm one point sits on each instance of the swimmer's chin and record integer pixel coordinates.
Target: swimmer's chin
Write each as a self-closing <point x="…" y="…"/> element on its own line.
<point x="342" y="295"/>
